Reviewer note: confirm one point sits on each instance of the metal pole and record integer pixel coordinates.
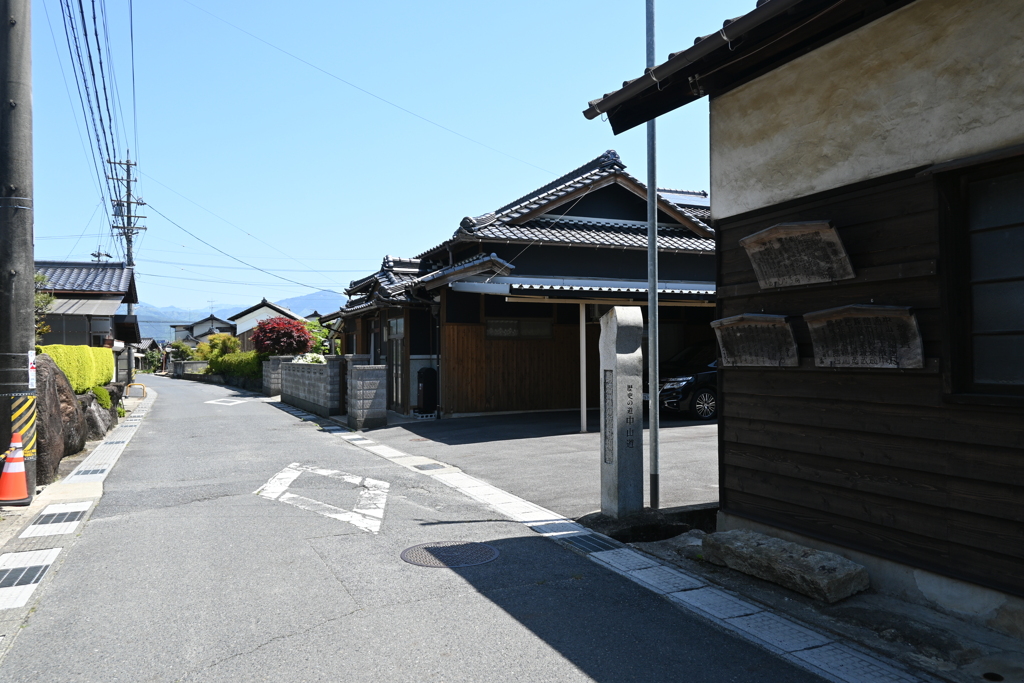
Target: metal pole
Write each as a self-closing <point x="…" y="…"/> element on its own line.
<point x="652" y="278"/>
<point x="17" y="267"/>
<point x="583" y="368"/>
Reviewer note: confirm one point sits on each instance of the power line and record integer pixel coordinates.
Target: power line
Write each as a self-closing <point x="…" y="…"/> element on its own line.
<point x="367" y="92"/>
<point x="235" y="258"/>
<point x="243" y="230"/>
<point x="135" y="113"/>
<point x="276" y="270"/>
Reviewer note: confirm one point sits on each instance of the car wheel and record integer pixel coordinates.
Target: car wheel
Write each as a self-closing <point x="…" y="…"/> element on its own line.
<point x="704" y="405"/>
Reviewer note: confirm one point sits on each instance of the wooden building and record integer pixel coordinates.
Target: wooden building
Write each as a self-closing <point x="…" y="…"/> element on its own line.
<point x="507" y="309"/>
<point x="868" y="199"/>
<point x="87" y="297"/>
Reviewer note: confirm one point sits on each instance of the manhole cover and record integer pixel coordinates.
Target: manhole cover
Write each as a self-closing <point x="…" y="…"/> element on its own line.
<point x="449" y="554"/>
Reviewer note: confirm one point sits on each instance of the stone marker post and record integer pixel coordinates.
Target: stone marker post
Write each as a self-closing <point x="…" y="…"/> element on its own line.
<point x="622" y="412"/>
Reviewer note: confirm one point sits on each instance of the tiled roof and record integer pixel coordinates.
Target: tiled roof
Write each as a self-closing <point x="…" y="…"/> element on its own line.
<point x="267" y="304"/>
<point x="501" y="224"/>
<point x="67" y="276"/>
<point x="395" y="272"/>
<point x="594" y="231"/>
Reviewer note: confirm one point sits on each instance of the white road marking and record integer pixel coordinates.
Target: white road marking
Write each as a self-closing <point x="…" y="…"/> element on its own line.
<point x="226" y="401"/>
<point x="797" y="643"/>
<point x="367" y="514"/>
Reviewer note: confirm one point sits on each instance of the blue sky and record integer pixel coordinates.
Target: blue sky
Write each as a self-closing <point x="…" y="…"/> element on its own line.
<point x="292" y="170"/>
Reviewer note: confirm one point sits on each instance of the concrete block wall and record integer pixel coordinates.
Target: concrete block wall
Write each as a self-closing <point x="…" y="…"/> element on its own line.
<point x="180" y="368"/>
<point x="367" y="396"/>
<point x="313" y="387"/>
<point x="272" y="374"/>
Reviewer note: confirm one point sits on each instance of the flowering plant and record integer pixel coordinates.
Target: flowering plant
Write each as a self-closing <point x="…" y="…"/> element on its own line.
<point x="314" y="358"/>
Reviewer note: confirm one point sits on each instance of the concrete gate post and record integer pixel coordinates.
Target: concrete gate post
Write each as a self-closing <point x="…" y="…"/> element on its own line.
<point x="622" y="412"/>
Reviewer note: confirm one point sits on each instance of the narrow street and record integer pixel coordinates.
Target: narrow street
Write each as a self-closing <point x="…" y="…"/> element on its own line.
<point x="182" y="573"/>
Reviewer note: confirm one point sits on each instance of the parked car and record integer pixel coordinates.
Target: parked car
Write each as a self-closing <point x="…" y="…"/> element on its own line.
<point x="689" y="382"/>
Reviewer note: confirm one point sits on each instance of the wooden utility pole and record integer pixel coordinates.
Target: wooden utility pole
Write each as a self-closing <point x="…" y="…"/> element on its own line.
<point x="17" y="265"/>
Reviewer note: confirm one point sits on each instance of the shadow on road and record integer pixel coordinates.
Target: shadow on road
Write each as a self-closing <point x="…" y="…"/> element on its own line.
<point x="610" y="628"/>
<point x="470" y="430"/>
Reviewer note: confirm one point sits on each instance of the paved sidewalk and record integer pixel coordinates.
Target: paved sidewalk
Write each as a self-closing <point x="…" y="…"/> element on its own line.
<point x="34" y="539"/>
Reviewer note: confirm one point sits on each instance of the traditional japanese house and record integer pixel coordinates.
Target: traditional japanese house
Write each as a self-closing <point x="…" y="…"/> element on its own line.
<point x="245" y="322"/>
<point x="86" y="299"/>
<point x="868" y="198"/>
<point x="507" y="308"/>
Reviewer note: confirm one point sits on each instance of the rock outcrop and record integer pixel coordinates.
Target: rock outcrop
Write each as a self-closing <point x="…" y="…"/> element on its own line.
<point x="49" y="421"/>
<point x="815" y="573"/>
<point x="96" y="417"/>
<point x="61" y="425"/>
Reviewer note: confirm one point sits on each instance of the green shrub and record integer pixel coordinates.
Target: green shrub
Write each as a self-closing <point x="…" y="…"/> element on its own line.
<point x="120" y="411"/>
<point x="242" y="364"/>
<point x="102" y="397"/>
<point x="104" y="359"/>
<point x="84" y="366"/>
<point x="181" y="351"/>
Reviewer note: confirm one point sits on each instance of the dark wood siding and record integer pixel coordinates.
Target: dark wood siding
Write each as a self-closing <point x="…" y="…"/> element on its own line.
<point x="876" y="460"/>
<point x="487" y="375"/>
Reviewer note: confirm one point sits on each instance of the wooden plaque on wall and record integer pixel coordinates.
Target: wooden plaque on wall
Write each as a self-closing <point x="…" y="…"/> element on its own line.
<point x="756" y="339"/>
<point x="791" y="254"/>
<point x="863" y="336"/>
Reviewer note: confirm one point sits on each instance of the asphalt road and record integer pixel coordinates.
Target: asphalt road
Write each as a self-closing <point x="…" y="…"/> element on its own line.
<point x="183" y="574"/>
<point x="542" y="456"/>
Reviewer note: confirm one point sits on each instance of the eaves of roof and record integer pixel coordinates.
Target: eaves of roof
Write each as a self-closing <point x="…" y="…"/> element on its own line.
<point x="600" y="172"/>
<point x="267" y="304"/>
<point x="774" y="33"/>
<point x="89" y="278"/>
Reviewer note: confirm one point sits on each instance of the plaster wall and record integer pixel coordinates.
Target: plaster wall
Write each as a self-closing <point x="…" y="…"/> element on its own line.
<point x="934" y="81"/>
<point x="248" y="322"/>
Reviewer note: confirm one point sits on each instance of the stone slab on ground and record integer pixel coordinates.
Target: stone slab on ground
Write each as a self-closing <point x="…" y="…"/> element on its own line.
<point x="821" y="575"/>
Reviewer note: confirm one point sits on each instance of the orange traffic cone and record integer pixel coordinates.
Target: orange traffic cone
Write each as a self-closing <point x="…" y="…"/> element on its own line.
<point x="13" y="483"/>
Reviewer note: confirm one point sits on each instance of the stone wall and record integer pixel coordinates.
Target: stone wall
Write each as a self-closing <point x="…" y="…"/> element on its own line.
<point x="313" y="387"/>
<point x="367" y="396"/>
<point x="179" y="368"/>
<point x="272" y="374"/>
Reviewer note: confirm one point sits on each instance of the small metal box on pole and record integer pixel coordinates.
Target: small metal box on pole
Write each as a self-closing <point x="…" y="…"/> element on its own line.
<point x="622" y="412"/>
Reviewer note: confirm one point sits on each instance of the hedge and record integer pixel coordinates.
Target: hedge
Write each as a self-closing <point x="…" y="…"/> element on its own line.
<point x="242" y="364"/>
<point x="84" y="366"/>
<point x="102" y="396"/>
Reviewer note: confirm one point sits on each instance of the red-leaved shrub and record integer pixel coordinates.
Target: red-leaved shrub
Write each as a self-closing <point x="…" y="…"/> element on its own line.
<point x="281" y="337"/>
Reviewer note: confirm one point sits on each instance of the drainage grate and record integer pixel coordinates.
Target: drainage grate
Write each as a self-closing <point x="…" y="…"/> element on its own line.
<point x="431" y="466"/>
<point x="60" y="517"/>
<point x="111" y="443"/>
<point x="591" y="543"/>
<point x="85" y="472"/>
<point x="449" y="554"/>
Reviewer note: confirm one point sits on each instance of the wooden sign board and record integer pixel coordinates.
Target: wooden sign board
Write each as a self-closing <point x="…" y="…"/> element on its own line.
<point x="790" y="254"/>
<point x="866" y="337"/>
<point x="756" y="339"/>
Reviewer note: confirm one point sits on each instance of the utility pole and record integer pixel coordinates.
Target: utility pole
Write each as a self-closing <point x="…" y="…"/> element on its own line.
<point x="127" y="225"/>
<point x="17" y="261"/>
<point x="98" y="255"/>
<point x="653" y="357"/>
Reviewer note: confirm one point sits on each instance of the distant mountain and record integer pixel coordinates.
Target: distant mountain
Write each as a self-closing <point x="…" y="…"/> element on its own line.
<point x="156" y="321"/>
<point x="323" y="302"/>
